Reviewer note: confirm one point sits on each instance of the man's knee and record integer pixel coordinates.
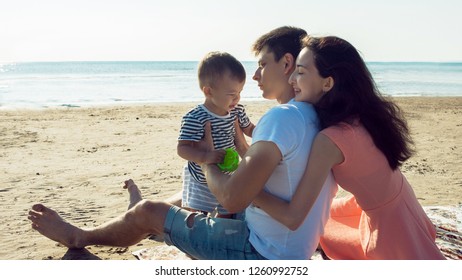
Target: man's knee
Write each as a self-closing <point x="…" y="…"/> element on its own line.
<point x="150" y="208"/>
<point x="150" y="213"/>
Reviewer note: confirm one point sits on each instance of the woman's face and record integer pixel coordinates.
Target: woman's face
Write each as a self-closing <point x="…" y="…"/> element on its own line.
<point x="308" y="85"/>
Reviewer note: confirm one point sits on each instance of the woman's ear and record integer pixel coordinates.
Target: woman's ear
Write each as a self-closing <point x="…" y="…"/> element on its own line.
<point x="328" y="84"/>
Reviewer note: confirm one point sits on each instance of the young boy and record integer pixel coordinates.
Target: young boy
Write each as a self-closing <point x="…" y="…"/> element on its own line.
<point x="221" y="79"/>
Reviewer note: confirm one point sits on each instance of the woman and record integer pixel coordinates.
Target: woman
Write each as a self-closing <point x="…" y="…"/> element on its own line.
<point x="363" y="140"/>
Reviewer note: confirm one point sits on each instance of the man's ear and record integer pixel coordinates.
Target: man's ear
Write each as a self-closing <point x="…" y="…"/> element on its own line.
<point x="289" y="63"/>
<point x="328" y="84"/>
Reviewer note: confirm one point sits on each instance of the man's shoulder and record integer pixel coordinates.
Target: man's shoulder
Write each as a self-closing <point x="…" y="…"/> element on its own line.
<point x="305" y="109"/>
<point x="301" y="105"/>
<point x="293" y="109"/>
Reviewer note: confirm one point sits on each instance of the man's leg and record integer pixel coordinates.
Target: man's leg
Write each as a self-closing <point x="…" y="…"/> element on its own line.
<point x="134" y="193"/>
<point x="145" y="218"/>
<point x="175" y="199"/>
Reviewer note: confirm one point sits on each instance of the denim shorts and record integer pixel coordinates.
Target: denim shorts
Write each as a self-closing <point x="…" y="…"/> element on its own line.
<point x="209" y="238"/>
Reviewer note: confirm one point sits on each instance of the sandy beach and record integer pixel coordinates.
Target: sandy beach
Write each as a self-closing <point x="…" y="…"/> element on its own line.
<point x="76" y="159"/>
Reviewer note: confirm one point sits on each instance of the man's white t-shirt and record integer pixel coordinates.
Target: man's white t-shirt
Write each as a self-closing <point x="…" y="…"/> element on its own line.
<point x="292" y="127"/>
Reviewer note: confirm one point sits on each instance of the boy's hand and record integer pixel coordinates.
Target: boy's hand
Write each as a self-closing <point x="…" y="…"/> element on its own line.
<point x="239" y="140"/>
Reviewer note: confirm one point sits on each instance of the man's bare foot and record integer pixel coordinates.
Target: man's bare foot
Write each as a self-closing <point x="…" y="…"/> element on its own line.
<point x="48" y="223"/>
<point x="133" y="192"/>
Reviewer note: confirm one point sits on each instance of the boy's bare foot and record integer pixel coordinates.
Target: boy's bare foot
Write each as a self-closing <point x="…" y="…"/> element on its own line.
<point x="48" y="223"/>
<point x="133" y="192"/>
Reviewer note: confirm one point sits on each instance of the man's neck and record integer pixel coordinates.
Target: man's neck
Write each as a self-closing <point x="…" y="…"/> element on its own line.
<point x="286" y="96"/>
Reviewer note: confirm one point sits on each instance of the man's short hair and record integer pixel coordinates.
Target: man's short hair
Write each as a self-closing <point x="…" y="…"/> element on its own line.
<point x="282" y="40"/>
<point x="215" y="64"/>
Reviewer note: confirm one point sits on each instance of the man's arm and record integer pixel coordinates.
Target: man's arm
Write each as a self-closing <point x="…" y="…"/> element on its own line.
<point x="188" y="150"/>
<point x="235" y="192"/>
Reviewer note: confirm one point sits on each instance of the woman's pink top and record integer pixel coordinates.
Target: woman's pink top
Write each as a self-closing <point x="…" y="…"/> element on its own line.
<point x="383" y="219"/>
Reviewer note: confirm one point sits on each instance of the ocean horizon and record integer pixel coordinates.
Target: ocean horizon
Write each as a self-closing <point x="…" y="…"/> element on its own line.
<point x="94" y="83"/>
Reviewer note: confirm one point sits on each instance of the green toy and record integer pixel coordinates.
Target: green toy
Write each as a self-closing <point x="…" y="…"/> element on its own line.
<point x="230" y="162"/>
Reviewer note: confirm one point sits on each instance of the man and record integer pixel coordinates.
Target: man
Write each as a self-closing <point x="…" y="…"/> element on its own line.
<point x="274" y="162"/>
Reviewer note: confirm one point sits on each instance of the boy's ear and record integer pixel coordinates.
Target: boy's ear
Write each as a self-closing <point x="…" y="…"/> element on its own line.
<point x="289" y="63"/>
<point x="207" y="90"/>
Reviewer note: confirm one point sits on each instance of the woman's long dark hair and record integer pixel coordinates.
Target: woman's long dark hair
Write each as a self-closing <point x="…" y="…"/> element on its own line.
<point x="355" y="96"/>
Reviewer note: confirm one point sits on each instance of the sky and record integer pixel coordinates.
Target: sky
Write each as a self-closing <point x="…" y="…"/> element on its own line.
<point x="150" y="30"/>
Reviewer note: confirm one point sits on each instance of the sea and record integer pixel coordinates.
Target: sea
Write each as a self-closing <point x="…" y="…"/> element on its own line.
<point x="83" y="84"/>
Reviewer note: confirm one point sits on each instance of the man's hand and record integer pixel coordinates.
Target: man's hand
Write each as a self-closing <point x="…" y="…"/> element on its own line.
<point x="206" y="144"/>
<point x="215" y="156"/>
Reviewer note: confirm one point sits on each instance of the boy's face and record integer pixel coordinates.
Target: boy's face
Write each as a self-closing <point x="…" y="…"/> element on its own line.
<point x="224" y="95"/>
<point x="270" y="75"/>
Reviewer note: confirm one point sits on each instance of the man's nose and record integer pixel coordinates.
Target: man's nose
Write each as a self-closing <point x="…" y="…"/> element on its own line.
<point x="256" y="75"/>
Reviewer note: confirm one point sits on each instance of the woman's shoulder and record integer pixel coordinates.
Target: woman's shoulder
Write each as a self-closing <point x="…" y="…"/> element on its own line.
<point x="348" y="133"/>
<point x="344" y="129"/>
<point x="338" y="128"/>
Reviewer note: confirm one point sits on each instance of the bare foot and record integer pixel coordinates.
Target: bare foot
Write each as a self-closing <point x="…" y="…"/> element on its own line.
<point x="133" y="192"/>
<point x="48" y="223"/>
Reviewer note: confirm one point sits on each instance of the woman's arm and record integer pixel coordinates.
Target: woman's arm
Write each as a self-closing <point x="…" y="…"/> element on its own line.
<point x="235" y="192"/>
<point x="323" y="156"/>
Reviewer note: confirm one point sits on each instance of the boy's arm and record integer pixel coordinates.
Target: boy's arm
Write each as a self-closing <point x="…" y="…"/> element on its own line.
<point x="249" y="130"/>
<point x="189" y="151"/>
<point x="244" y="120"/>
<point x="239" y="140"/>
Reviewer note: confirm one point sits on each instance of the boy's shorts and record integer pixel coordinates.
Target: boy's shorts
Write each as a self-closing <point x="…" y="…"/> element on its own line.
<point x="209" y="238"/>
